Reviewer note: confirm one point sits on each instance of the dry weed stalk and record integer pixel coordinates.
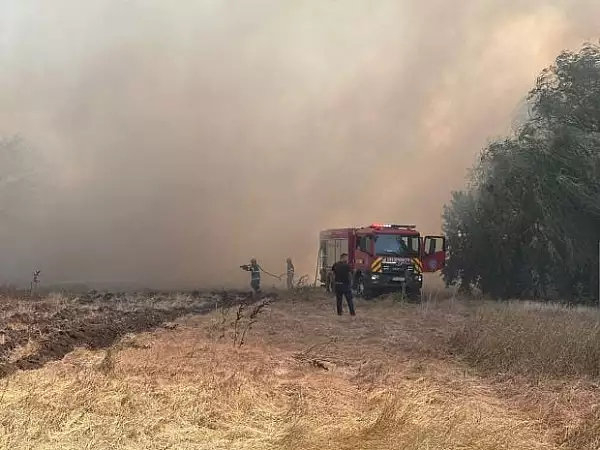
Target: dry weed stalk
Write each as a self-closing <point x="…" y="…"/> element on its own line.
<point x="238" y="318"/>
<point x="223" y="324"/>
<point x="243" y="324"/>
<point x="252" y="319"/>
<point x="33" y="287"/>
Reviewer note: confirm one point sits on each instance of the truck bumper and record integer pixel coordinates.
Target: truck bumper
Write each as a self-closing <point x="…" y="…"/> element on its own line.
<point x="383" y="281"/>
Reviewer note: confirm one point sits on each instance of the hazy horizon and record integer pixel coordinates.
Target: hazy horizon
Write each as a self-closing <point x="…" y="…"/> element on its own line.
<point x="169" y="143"/>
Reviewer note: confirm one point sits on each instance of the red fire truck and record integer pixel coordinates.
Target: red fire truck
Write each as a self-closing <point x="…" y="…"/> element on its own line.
<point x="383" y="257"/>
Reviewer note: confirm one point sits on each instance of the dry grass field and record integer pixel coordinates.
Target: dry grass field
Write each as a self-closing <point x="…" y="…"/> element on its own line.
<point x="194" y="371"/>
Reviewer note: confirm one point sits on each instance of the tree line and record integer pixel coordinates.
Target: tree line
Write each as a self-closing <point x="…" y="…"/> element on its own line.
<point x="527" y="224"/>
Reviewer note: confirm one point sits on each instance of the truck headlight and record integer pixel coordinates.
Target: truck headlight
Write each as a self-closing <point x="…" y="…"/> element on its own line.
<point x="374" y="277"/>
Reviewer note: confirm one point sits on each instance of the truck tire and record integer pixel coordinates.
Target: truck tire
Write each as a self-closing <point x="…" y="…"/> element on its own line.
<point x="360" y="290"/>
<point x="415" y="295"/>
<point x="368" y="294"/>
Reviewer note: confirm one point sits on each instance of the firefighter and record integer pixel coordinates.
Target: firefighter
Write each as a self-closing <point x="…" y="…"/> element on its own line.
<point x="254" y="270"/>
<point x="290" y="273"/>
<point x="341" y="275"/>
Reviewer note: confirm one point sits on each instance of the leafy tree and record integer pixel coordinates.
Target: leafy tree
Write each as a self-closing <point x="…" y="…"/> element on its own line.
<point x="532" y="206"/>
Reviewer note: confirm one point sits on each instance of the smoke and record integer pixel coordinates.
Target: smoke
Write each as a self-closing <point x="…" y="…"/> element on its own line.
<point x="172" y="141"/>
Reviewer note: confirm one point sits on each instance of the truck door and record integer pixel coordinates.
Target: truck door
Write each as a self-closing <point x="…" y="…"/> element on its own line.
<point x="363" y="253"/>
<point x="433" y="253"/>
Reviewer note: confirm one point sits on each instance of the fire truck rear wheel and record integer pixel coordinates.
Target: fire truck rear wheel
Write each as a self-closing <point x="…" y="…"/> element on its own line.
<point x="329" y="284"/>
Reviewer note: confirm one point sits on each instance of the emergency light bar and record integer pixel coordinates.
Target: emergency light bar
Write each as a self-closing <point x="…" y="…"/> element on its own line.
<point x="387" y="225"/>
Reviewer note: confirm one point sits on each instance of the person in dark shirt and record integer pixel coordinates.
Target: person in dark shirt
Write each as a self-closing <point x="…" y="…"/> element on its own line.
<point x="342" y="274"/>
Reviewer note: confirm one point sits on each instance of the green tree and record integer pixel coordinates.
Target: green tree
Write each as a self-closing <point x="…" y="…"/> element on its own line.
<point x="534" y="199"/>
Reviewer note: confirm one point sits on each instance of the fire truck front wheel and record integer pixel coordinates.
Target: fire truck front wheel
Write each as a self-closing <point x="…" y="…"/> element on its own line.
<point x="358" y="285"/>
<point x="360" y="289"/>
<point x="415" y="295"/>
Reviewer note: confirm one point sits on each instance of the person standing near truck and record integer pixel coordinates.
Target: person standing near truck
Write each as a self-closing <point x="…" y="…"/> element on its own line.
<point x="342" y="278"/>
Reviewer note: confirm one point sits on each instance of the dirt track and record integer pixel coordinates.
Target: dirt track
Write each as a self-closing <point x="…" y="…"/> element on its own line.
<point x="34" y="332"/>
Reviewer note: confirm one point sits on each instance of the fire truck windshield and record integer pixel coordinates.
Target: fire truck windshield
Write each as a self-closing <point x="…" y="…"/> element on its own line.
<point x="394" y="245"/>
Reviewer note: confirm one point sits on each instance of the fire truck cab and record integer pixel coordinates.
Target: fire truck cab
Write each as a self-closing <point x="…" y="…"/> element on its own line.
<point x="383" y="257"/>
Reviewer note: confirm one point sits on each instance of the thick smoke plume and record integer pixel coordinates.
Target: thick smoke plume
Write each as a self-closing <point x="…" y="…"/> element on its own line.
<point x="167" y="142"/>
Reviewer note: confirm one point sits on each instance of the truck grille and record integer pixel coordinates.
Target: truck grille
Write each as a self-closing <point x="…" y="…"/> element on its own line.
<point x="394" y="268"/>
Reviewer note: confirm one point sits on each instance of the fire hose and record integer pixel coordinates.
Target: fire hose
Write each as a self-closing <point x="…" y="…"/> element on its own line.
<point x="302" y="281"/>
<point x="248" y="267"/>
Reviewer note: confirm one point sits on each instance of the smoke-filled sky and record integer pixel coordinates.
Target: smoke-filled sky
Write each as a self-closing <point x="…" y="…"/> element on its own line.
<point x="167" y="142"/>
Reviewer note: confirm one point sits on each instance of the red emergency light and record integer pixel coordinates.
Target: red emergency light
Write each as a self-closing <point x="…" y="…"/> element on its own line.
<point x="386" y="225"/>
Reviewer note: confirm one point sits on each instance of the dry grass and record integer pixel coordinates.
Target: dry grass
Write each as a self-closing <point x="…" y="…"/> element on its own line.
<point x="184" y="392"/>
<point x="30" y="348"/>
<point x="545" y="358"/>
<point x="535" y="340"/>
<point x="304" y="379"/>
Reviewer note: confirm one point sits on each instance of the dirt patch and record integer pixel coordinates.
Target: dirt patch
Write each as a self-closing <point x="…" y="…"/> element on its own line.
<point x="112" y="316"/>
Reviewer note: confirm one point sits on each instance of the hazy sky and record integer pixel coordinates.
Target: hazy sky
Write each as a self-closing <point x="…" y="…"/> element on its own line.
<point x="170" y="141"/>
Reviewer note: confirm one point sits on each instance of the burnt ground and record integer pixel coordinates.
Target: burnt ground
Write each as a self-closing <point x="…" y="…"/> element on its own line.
<point x="53" y="326"/>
